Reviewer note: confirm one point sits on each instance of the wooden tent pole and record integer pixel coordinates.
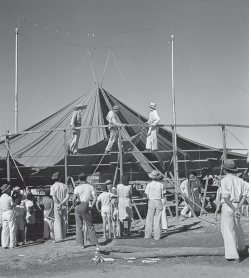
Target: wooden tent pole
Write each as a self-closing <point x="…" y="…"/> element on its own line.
<point x="8" y="156"/>
<point x="224" y="143"/>
<point x="120" y="156"/>
<point x="175" y="175"/>
<point x="65" y="158"/>
<point x="204" y="197"/>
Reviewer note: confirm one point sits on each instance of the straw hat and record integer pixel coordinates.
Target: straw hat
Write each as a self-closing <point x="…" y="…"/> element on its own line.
<point x="80" y="106"/>
<point x="229" y="164"/>
<point x="81" y="175"/>
<point x="192" y="177"/>
<point x="152" y="105"/>
<point x="108" y="182"/>
<point x="16" y="188"/>
<point x="55" y="176"/>
<point x="155" y="174"/>
<point x="5" y="187"/>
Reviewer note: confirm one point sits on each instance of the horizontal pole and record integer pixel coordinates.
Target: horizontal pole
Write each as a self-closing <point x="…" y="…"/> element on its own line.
<point x="129" y="125"/>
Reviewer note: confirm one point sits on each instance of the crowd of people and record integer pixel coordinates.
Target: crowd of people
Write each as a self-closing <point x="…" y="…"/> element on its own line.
<point x="17" y="213"/>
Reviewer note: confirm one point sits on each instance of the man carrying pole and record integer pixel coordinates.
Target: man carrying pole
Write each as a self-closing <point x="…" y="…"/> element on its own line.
<point x="112" y="119"/>
<point x="76" y="121"/>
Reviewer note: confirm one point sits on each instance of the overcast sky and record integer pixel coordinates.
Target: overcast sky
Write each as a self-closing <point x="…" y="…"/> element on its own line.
<point x="210" y="59"/>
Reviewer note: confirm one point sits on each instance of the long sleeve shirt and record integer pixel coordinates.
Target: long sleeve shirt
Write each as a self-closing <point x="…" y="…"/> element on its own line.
<point x="76" y="119"/>
<point x="154" y="118"/>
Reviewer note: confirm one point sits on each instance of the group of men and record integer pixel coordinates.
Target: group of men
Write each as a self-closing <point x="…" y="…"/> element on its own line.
<point x="114" y="124"/>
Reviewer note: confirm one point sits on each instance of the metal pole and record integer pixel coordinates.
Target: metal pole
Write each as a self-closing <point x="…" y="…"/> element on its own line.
<point x="224" y="143"/>
<point x="7" y="157"/>
<point x="65" y="158"/>
<point x="175" y="163"/>
<point x="120" y="156"/>
<point x="16" y="83"/>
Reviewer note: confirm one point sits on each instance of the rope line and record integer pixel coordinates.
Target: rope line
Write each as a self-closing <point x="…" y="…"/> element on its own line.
<point x="108" y="56"/>
<point x="236" y="138"/>
<point x="89" y="52"/>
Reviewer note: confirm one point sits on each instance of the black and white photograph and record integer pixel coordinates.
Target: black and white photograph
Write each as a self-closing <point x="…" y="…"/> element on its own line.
<point x="124" y="138"/>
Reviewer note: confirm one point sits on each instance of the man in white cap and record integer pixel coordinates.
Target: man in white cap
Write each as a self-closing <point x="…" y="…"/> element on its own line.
<point x="154" y="119"/>
<point x="8" y="234"/>
<point x="114" y="123"/>
<point x="76" y="121"/>
<point x="234" y="194"/>
<point x="60" y="195"/>
<point x="191" y="189"/>
<point x="155" y="193"/>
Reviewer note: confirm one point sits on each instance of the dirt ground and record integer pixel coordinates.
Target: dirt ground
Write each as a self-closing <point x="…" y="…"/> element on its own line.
<point x="43" y="259"/>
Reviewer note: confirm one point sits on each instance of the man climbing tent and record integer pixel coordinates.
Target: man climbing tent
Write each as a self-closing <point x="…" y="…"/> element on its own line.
<point x="112" y="119"/>
<point x="154" y="119"/>
<point x="75" y="122"/>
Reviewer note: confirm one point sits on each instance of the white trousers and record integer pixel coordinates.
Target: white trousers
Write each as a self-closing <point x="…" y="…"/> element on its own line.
<point x="73" y="145"/>
<point x="164" y="219"/>
<point x="151" y="139"/>
<point x="48" y="225"/>
<point x="8" y="236"/>
<point x="232" y="233"/>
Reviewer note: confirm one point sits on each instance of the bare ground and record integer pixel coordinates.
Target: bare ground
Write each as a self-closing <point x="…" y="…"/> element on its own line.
<point x="43" y="259"/>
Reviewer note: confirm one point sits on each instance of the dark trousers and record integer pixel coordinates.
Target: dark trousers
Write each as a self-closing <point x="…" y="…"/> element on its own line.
<point x="82" y="213"/>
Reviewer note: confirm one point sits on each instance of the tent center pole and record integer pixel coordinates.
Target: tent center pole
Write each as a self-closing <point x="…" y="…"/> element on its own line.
<point x="120" y="156"/>
<point x="65" y="158"/>
<point x="8" y="156"/>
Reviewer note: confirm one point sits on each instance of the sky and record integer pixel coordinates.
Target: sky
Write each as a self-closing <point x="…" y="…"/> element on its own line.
<point x="211" y="66"/>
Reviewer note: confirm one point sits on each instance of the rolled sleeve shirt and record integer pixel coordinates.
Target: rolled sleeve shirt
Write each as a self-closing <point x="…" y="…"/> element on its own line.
<point x="59" y="190"/>
<point x="112" y="118"/>
<point x="233" y="188"/>
<point x="84" y="191"/>
<point x="155" y="190"/>
<point x="6" y="202"/>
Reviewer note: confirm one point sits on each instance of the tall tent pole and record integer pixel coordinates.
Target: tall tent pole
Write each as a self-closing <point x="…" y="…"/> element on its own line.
<point x="16" y="83"/>
<point x="8" y="157"/>
<point x="224" y="143"/>
<point x="65" y="158"/>
<point x="175" y="163"/>
<point x="120" y="156"/>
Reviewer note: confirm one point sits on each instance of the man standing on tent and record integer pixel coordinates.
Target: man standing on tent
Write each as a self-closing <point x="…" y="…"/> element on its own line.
<point x="191" y="190"/>
<point x="76" y="121"/>
<point x="154" y="119"/>
<point x="112" y="119"/>
<point x="60" y="195"/>
<point x="234" y="193"/>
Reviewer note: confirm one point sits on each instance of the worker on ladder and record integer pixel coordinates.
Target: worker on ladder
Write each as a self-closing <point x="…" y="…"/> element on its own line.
<point x="154" y="119"/>
<point x="112" y="119"/>
<point x="76" y="121"/>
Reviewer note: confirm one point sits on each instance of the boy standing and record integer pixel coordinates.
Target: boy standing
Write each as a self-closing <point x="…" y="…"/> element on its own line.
<point x="105" y="199"/>
<point x="20" y="218"/>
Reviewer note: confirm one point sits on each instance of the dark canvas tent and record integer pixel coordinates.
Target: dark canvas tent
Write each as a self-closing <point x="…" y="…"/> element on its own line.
<point x="39" y="154"/>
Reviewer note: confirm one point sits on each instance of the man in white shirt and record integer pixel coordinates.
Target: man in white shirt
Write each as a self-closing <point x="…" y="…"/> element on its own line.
<point x="154" y="119"/>
<point x="76" y="121"/>
<point x="114" y="123"/>
<point x="155" y="193"/>
<point x="60" y="195"/>
<point x="8" y="218"/>
<point x="234" y="194"/>
<point x="84" y="192"/>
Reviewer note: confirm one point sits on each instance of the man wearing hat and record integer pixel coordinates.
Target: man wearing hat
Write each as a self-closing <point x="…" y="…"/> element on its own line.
<point x="155" y="193"/>
<point x="60" y="195"/>
<point x="108" y="184"/>
<point x="83" y="193"/>
<point x="234" y="194"/>
<point x="114" y="123"/>
<point x="154" y="119"/>
<point x="8" y="234"/>
<point x="191" y="189"/>
<point x="76" y="121"/>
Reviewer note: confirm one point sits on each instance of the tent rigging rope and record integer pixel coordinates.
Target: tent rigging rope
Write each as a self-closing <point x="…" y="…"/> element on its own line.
<point x="89" y="52"/>
<point x="108" y="56"/>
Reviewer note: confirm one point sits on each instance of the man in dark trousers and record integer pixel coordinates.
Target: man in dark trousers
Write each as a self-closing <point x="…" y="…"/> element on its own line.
<point x="83" y="193"/>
